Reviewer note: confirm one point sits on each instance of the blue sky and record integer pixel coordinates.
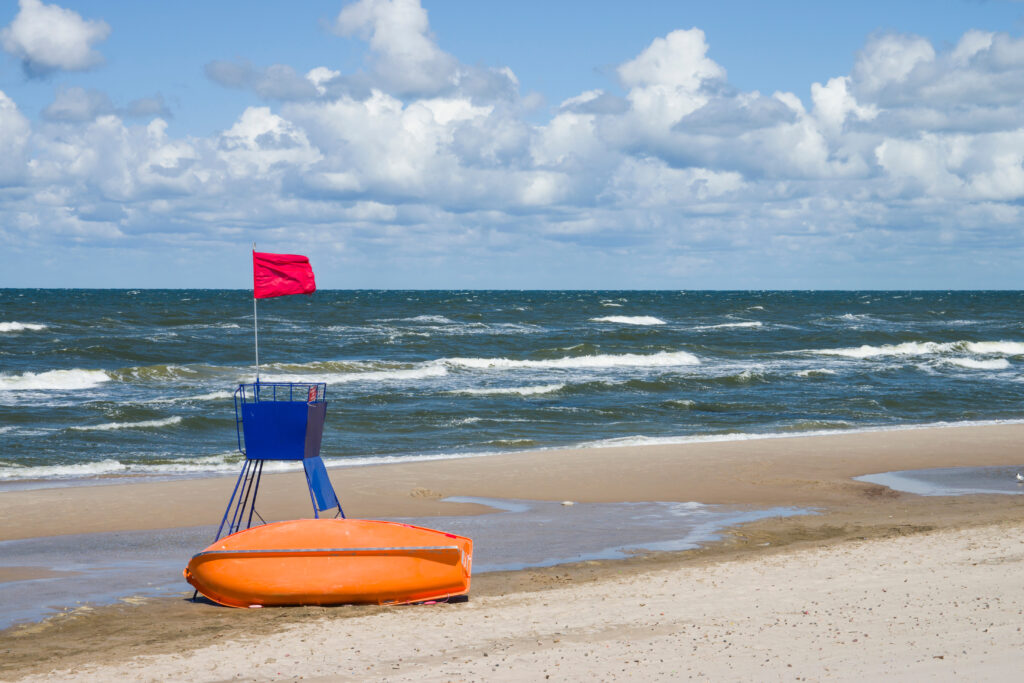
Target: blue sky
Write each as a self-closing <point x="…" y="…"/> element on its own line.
<point x="514" y="145"/>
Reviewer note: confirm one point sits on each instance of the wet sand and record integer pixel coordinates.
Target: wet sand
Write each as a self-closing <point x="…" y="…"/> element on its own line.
<point x="936" y="572"/>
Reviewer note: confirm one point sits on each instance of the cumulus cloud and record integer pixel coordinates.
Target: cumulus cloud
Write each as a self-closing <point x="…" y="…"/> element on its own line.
<point x="275" y="82"/>
<point x="665" y="166"/>
<point x="48" y="38"/>
<point x="75" y="104"/>
<point x="14" y="137"/>
<point x="78" y="104"/>
<point x="405" y="56"/>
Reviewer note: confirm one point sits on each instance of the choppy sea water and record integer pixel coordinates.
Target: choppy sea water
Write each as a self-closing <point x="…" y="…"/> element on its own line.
<point x="99" y="383"/>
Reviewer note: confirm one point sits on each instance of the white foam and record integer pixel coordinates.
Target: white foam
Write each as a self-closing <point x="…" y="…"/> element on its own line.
<point x="814" y="372"/>
<point x="750" y="324"/>
<point x="20" y="327"/>
<point x="425" y="371"/>
<point x="145" y="424"/>
<point x="682" y="402"/>
<point x="905" y="349"/>
<point x="521" y="391"/>
<point x="53" y="380"/>
<point x="629" y="320"/>
<point x="991" y="364"/>
<point x="213" y="464"/>
<point x="213" y="396"/>
<point x="632" y="360"/>
<point x="436" y="319"/>
<point x="1006" y="348"/>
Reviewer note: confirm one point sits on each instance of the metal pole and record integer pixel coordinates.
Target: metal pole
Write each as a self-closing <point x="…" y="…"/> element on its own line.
<point x="255" y="319"/>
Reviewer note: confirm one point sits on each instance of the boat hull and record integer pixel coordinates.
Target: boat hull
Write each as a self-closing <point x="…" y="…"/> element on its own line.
<point x="332" y="562"/>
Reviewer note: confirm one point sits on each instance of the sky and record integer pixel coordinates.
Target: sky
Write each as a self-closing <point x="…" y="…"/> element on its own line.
<point x="514" y="145"/>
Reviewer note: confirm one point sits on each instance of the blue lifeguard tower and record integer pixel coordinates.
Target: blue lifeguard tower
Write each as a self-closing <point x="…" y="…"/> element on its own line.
<point x="278" y="421"/>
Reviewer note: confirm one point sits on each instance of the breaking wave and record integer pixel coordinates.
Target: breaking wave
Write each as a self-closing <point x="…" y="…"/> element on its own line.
<point x="750" y="324"/>
<point x="21" y="327"/>
<point x="356" y="374"/>
<point x="521" y="391"/>
<point x="53" y="380"/>
<point x="1006" y="348"/>
<point x="629" y="320"/>
<point x="973" y="364"/>
<point x="145" y="424"/>
<point x="104" y="468"/>
<point x="815" y="372"/>
<point x="625" y="360"/>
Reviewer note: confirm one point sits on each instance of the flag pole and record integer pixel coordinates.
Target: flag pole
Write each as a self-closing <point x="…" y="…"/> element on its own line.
<point x="255" y="319"/>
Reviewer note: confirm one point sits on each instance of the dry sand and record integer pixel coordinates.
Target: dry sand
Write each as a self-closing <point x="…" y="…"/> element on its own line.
<point x="881" y="583"/>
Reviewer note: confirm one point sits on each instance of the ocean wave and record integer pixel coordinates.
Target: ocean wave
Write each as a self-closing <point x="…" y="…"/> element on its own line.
<point x="21" y="327"/>
<point x="681" y="403"/>
<point x="144" y="424"/>
<point x="629" y="320"/>
<point x="434" y="319"/>
<point x="1007" y="348"/>
<point x="974" y="364"/>
<point x="155" y="372"/>
<point x="521" y="391"/>
<point x="390" y="375"/>
<point x="53" y="380"/>
<point x="214" y="464"/>
<point x="212" y="396"/>
<point x="626" y="360"/>
<point x="750" y="324"/>
<point x="815" y="372"/>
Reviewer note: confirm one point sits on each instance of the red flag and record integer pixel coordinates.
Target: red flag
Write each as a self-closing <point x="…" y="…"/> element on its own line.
<point x="281" y="274"/>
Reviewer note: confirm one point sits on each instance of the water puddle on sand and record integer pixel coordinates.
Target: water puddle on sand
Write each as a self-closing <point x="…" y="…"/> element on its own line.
<point x="57" y="574"/>
<point x="951" y="481"/>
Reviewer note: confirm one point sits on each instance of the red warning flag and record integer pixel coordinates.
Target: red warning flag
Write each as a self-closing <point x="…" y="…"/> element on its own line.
<point x="280" y="275"/>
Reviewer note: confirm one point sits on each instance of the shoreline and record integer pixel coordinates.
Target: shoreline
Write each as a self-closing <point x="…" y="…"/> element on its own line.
<point x="800" y="470"/>
<point x="635" y="441"/>
<point x="865" y="540"/>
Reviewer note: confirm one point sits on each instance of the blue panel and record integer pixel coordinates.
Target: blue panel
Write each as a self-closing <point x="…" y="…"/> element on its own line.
<point x="320" y="484"/>
<point x="316" y="413"/>
<point x="274" y="430"/>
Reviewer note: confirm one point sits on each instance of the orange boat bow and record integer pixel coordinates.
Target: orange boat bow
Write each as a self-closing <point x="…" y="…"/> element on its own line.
<point x="332" y="562"/>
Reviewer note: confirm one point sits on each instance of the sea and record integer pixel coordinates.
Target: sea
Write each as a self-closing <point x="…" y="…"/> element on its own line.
<point x="100" y="386"/>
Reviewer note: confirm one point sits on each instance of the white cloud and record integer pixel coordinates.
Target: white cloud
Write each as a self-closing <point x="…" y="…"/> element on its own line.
<point x="405" y="56"/>
<point x="261" y="141"/>
<point x="14" y="137"/>
<point x="888" y="60"/>
<point x="833" y="104"/>
<point x="50" y="38"/>
<point x="78" y="104"/>
<point x="677" y="169"/>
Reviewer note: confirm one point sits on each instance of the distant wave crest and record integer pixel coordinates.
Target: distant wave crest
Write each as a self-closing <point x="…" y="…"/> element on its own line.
<point x="20" y="327"/>
<point x="53" y="380"/>
<point x="144" y="424"/>
<point x="631" y="360"/>
<point x="629" y="320"/>
<point x="749" y="323"/>
<point x="1006" y="348"/>
<point x="521" y="391"/>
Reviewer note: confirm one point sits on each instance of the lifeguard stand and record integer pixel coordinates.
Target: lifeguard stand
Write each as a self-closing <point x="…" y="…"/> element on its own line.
<point x="278" y="421"/>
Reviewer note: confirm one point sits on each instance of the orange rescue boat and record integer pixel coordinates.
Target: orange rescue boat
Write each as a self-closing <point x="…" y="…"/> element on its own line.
<point x="332" y="562"/>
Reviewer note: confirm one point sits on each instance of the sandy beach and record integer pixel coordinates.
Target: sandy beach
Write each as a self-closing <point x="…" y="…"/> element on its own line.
<point x="877" y="583"/>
